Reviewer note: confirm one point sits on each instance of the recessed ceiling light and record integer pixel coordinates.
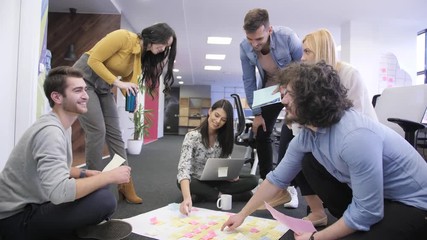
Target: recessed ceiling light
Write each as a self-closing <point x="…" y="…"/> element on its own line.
<point x="178" y="77"/>
<point x="219" y="40"/>
<point x="175" y="70"/>
<point x="215" y="56"/>
<point x="181" y="82"/>
<point x="338" y="48"/>
<point x="214" y="68"/>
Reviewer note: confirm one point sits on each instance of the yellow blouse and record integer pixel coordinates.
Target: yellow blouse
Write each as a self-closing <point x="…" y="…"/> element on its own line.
<point x="117" y="54"/>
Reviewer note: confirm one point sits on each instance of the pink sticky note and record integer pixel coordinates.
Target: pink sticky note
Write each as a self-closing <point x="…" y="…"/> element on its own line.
<point x="189" y="235"/>
<point x="194" y="222"/>
<point x="153" y="220"/>
<point x="295" y="224"/>
<point x="204" y="226"/>
<point x="253" y="230"/>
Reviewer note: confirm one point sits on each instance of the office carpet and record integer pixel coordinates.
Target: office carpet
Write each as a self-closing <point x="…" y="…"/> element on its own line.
<point x="154" y="174"/>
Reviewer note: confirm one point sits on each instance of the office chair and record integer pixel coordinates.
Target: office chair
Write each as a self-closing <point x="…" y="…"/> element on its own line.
<point x="405" y="107"/>
<point x="244" y="135"/>
<point x="409" y="127"/>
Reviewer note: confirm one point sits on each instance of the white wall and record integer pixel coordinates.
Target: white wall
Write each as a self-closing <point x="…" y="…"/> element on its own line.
<point x="363" y="43"/>
<point x="20" y="23"/>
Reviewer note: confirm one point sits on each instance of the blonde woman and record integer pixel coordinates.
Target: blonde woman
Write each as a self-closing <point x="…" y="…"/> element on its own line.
<point x="320" y="46"/>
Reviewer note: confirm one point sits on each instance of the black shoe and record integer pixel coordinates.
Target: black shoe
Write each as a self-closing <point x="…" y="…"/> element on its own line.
<point x="109" y="230"/>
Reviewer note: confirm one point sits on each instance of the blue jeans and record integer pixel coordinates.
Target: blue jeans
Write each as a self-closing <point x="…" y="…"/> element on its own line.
<point x="49" y="221"/>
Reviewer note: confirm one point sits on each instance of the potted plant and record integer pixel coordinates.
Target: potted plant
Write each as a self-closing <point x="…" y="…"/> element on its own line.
<point x="141" y="124"/>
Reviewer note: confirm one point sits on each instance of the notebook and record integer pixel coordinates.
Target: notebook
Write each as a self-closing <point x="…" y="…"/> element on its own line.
<point x="264" y="97"/>
<point x="222" y="169"/>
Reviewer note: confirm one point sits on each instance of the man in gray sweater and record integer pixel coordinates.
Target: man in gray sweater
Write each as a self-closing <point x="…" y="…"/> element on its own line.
<point x="41" y="195"/>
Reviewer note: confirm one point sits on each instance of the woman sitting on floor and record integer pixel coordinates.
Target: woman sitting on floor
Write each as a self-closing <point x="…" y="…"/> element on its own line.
<point x="212" y="139"/>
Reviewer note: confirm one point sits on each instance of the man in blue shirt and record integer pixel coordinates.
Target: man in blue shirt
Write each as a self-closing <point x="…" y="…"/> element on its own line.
<point x="370" y="177"/>
<point x="267" y="49"/>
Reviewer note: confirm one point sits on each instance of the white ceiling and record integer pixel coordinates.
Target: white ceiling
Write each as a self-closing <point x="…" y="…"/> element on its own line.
<point x="195" y="20"/>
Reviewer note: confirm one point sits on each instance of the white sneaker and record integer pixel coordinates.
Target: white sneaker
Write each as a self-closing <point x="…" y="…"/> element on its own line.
<point x="259" y="183"/>
<point x="294" y="195"/>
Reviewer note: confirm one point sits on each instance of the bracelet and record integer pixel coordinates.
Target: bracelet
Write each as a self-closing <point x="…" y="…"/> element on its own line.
<point x="312" y="236"/>
<point x="82" y="173"/>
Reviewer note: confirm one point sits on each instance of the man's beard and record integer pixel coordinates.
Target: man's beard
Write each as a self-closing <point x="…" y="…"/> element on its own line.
<point x="290" y="119"/>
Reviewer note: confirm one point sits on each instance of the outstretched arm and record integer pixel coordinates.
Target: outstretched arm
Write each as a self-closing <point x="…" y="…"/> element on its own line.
<point x="186" y="204"/>
<point x="264" y="193"/>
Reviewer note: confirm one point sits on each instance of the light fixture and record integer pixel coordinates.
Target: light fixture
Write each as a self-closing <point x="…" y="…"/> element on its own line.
<point x="71" y="54"/>
<point x="213" y="68"/>
<point x="215" y="56"/>
<point x="178" y="77"/>
<point x="422" y="56"/>
<point x="175" y="70"/>
<point x="219" y="40"/>
<point x="181" y="82"/>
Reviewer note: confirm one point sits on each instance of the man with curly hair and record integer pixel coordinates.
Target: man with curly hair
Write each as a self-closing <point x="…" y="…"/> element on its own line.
<point x="370" y="177"/>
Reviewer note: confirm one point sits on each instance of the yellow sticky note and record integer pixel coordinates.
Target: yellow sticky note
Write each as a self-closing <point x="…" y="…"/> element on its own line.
<point x="223" y="172"/>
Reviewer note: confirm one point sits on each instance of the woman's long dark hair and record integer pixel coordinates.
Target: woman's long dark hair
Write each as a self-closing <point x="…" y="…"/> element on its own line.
<point x="225" y="133"/>
<point x="152" y="65"/>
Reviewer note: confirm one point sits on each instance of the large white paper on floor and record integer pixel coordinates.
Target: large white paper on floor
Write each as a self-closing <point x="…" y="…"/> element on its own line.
<point x="168" y="223"/>
<point x="295" y="224"/>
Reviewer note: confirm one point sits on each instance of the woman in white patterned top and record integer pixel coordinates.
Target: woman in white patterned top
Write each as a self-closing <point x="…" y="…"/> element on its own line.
<point x="212" y="139"/>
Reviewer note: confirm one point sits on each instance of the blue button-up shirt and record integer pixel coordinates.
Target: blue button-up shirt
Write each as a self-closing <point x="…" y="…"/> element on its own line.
<point x="375" y="161"/>
<point x="285" y="47"/>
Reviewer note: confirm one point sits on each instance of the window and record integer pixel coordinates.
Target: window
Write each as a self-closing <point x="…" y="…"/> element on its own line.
<point x="421" y="55"/>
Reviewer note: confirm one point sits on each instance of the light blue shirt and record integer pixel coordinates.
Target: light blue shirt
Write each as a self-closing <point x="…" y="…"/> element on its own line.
<point x="375" y="161"/>
<point x="285" y="47"/>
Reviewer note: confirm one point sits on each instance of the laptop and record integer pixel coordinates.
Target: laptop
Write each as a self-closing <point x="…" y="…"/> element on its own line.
<point x="222" y="169"/>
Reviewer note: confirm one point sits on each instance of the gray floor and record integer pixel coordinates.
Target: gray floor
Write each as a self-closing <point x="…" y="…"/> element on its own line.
<point x="154" y="173"/>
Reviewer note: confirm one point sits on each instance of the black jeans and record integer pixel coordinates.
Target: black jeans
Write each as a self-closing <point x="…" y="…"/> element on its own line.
<point x="209" y="190"/>
<point x="49" y="221"/>
<point x="400" y="221"/>
<point x="263" y="139"/>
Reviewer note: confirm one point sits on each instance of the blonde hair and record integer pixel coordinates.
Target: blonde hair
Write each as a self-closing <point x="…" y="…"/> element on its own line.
<point x="322" y="44"/>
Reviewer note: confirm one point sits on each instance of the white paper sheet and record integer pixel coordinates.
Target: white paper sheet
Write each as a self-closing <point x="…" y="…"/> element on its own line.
<point x="114" y="163"/>
<point x="168" y="223"/>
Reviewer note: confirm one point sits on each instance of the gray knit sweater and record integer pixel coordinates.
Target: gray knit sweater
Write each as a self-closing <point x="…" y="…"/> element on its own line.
<point x="38" y="169"/>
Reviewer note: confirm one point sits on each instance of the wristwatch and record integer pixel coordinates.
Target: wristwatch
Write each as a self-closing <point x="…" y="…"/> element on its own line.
<point x="312" y="236"/>
<point x="82" y="173"/>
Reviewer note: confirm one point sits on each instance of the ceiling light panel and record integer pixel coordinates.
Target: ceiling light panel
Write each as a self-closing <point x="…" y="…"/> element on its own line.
<point x="215" y="56"/>
<point x="219" y="40"/>
<point x="213" y="68"/>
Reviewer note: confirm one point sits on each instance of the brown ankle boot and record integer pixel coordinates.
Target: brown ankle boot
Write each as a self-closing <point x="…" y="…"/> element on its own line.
<point x="127" y="191"/>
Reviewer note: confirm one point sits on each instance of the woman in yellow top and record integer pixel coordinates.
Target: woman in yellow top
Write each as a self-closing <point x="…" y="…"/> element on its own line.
<point x="117" y="60"/>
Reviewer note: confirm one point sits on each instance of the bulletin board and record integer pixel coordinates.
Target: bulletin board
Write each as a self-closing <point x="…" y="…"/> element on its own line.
<point x="168" y="223"/>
